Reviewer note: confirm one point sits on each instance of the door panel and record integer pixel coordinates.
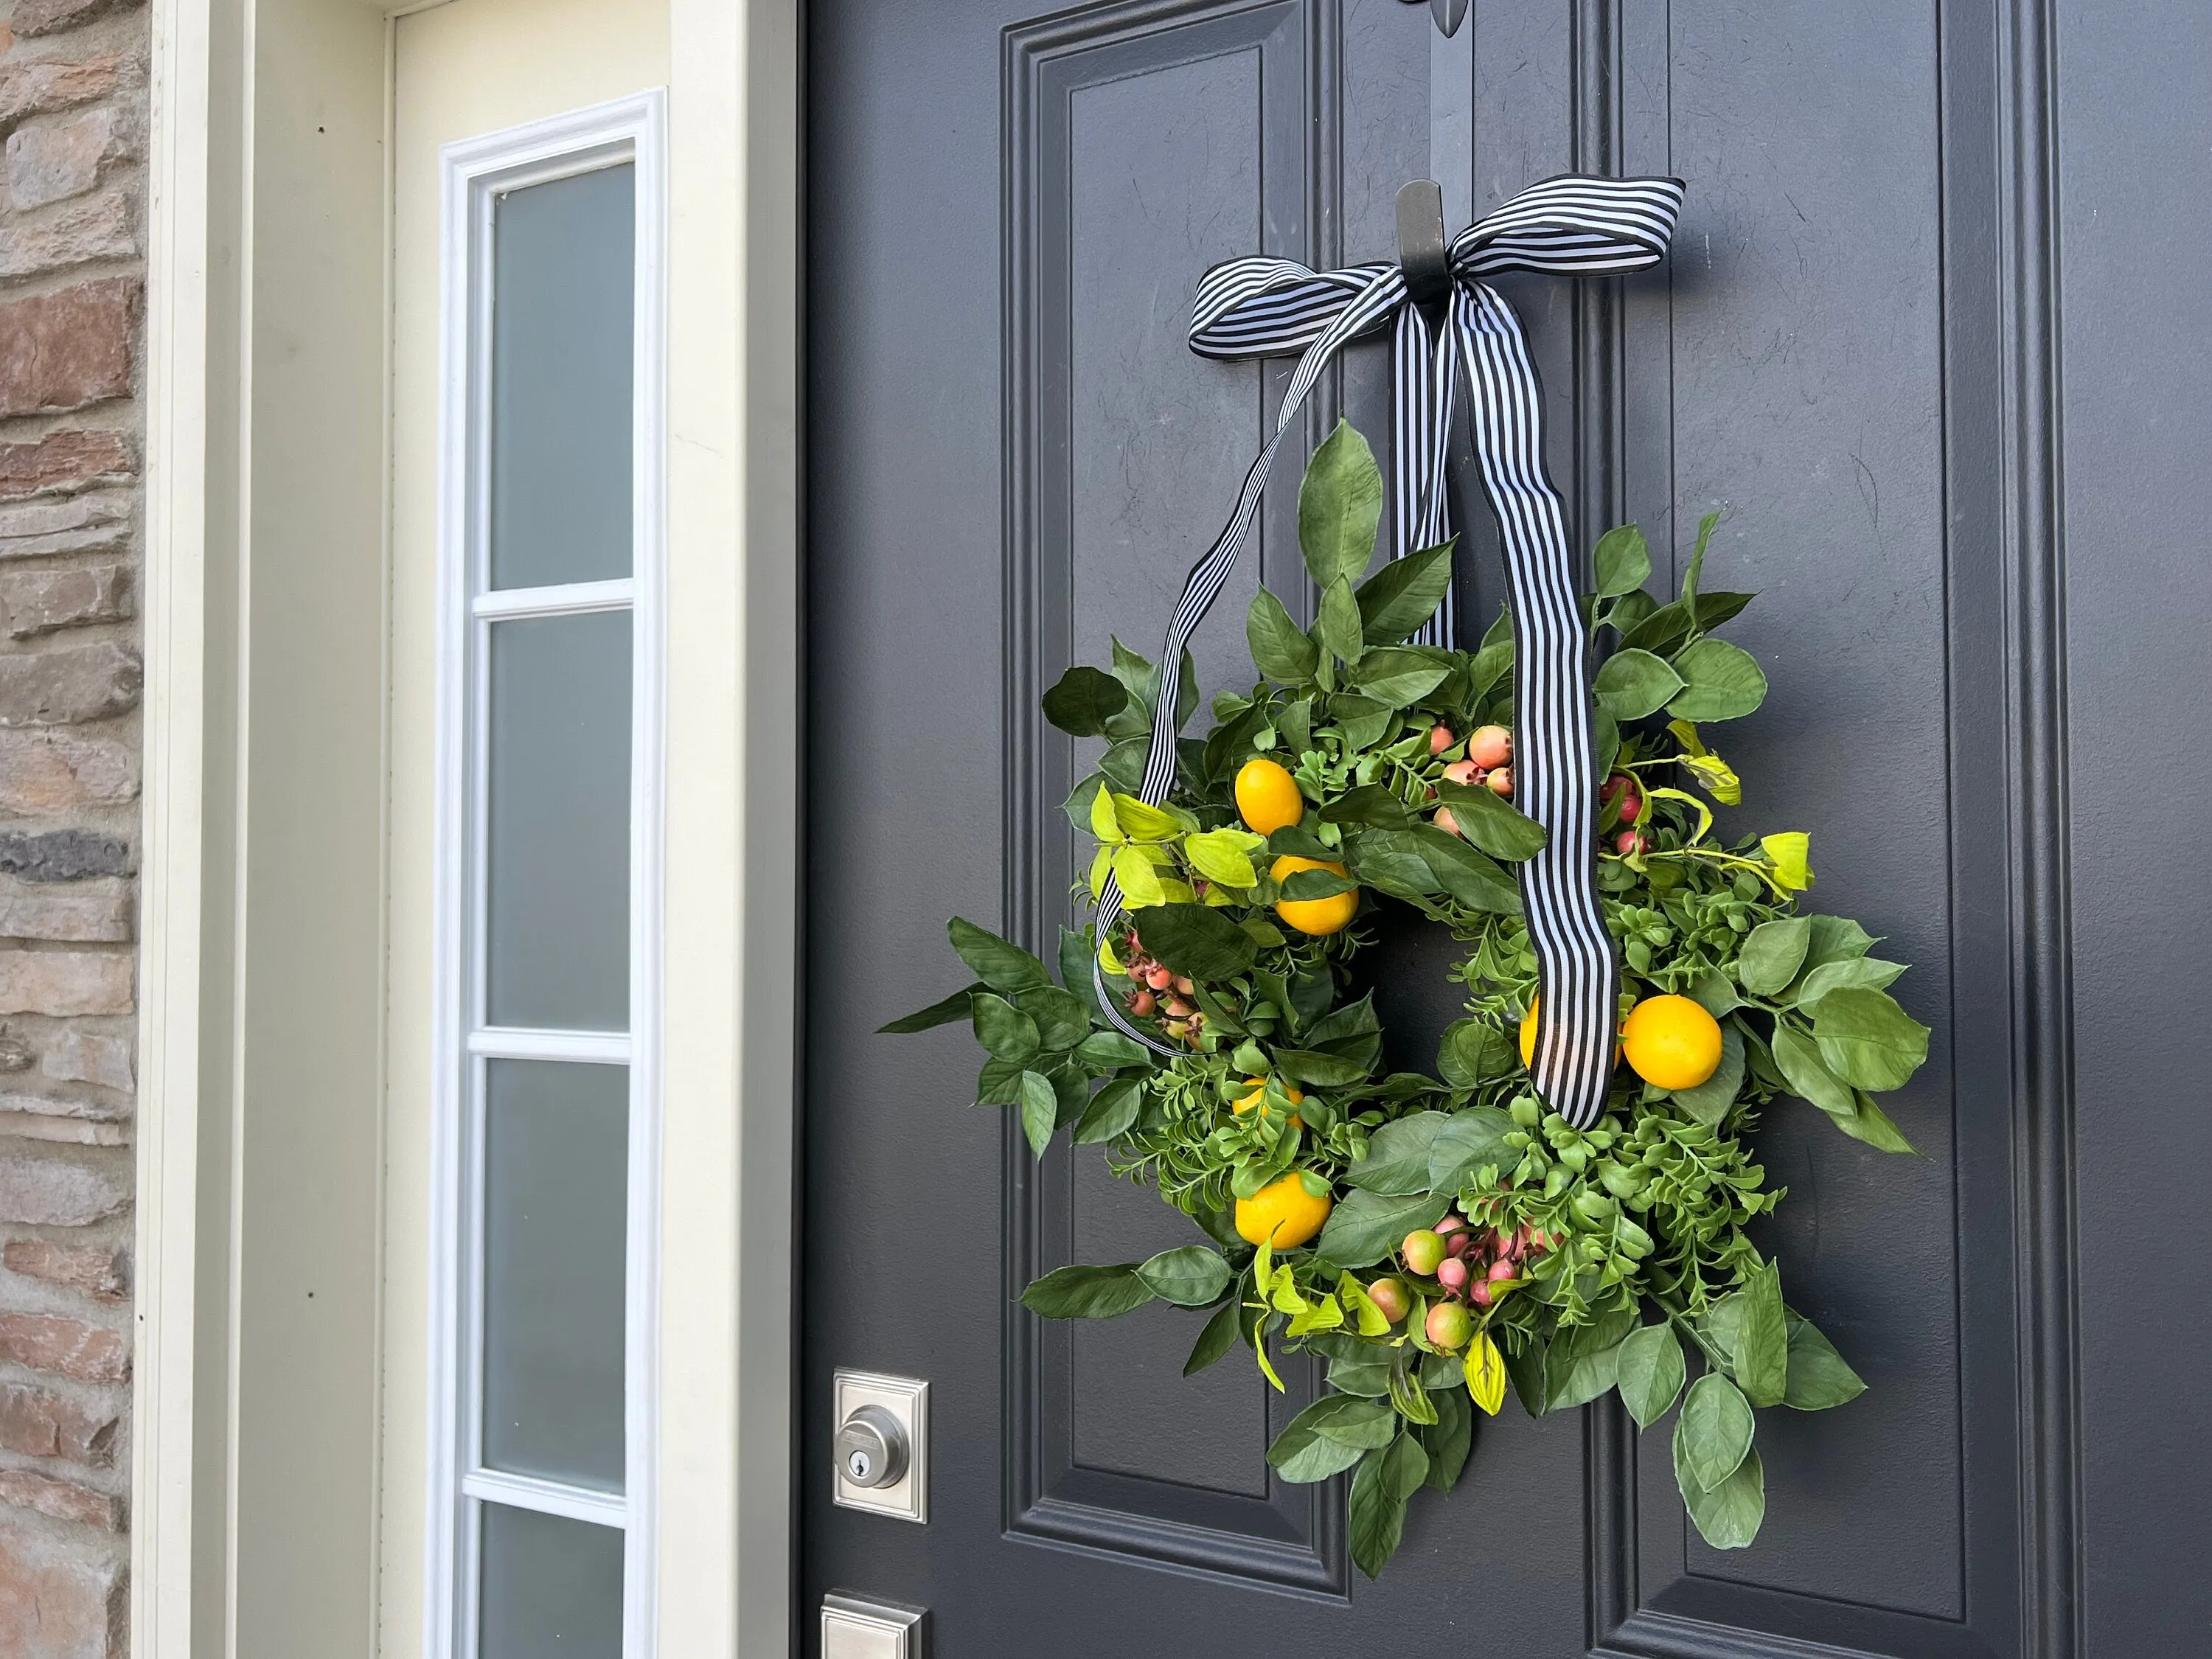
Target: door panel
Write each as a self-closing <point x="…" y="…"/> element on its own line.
<point x="1012" y="453"/>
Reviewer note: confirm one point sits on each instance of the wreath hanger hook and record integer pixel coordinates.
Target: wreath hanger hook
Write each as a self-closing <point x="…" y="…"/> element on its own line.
<point x="1448" y="14"/>
<point x="1422" y="254"/>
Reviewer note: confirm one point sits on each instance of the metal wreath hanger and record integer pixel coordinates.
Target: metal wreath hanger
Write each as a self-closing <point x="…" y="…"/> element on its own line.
<point x="1448" y="14"/>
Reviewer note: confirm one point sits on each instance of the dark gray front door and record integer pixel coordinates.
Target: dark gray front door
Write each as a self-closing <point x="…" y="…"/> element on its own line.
<point x="1983" y="594"/>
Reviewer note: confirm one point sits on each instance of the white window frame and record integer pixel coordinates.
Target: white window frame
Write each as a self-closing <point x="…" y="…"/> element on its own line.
<point x="473" y="173"/>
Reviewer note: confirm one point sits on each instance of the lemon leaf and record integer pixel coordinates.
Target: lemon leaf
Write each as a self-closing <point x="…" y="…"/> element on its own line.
<point x="1103" y="824"/>
<point x="1217" y="855"/>
<point x="1139" y="881"/>
<point x="1141" y="823"/>
<point x="1789" y="856"/>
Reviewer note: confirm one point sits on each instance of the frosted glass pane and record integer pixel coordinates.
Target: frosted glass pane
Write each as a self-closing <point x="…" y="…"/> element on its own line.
<point x="558" y="909"/>
<point x="562" y="304"/>
<point x="552" y="1587"/>
<point x="556" y="1165"/>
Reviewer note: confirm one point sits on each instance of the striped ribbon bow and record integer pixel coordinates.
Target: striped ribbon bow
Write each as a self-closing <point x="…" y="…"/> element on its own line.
<point x="1572" y="225"/>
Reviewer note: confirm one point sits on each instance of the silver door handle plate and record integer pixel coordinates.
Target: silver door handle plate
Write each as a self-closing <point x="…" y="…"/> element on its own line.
<point x="882" y="1445"/>
<point x="863" y="1627"/>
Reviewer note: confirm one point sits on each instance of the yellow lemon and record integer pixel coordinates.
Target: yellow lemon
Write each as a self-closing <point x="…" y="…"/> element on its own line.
<point x="1258" y="1085"/>
<point x="1267" y="798"/>
<point x="1671" y="1041"/>
<point x="1528" y="1037"/>
<point x="1282" y="1214"/>
<point x="1324" y="915"/>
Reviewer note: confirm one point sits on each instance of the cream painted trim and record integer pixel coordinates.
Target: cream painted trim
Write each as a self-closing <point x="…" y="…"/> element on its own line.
<point x="727" y="1499"/>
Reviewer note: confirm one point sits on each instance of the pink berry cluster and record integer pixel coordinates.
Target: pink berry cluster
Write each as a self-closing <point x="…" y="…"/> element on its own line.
<point x="1621" y="803"/>
<point x="1486" y="761"/>
<point x="1457" y="1263"/>
<point x="1155" y="991"/>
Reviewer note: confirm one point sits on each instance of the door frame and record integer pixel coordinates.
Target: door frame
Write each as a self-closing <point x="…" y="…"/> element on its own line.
<point x="267" y="466"/>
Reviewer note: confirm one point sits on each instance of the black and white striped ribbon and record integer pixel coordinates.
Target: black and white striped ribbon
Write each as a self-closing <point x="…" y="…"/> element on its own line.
<point x="1573" y="226"/>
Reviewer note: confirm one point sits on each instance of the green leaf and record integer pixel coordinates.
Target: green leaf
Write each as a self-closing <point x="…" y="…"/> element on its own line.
<point x="1077" y="954"/>
<point x="1772" y="953"/>
<point x="1621" y="562"/>
<point x="1870" y="1123"/>
<point x="1323" y="1072"/>
<point x="1723" y="1324"/>
<point x="1710" y="1101"/>
<point x="1001" y="966"/>
<point x="1762" y="1341"/>
<point x="1715" y="1430"/>
<point x="1371" y="804"/>
<point x="1399" y="675"/>
<point x="1472" y="1050"/>
<point x="1697" y="559"/>
<point x="1633" y="683"/>
<point x="1112" y="1112"/>
<point x="1005" y="1032"/>
<point x="1494" y="825"/>
<point x="1798" y="1058"/>
<point x="1224" y="855"/>
<point x="1584" y="1361"/>
<point x="1191" y="1277"/>
<point x="1196" y="941"/>
<point x="1087" y="1292"/>
<point x="1469" y="1139"/>
<point x="1108" y="1051"/>
<point x="1819" y="1378"/>
<point x="1302" y="1455"/>
<point x="1651" y="1370"/>
<point x="1867" y="1039"/>
<point x="1061" y="1016"/>
<point x="1379" y="1490"/>
<point x="1040" y="1110"/>
<point x="1404" y="594"/>
<point x="1340" y="507"/>
<point x="1448" y="1439"/>
<point x="1316" y="884"/>
<point x="1727" y="1517"/>
<point x="1218" y="1337"/>
<point x="1281" y="650"/>
<point x="1084" y="700"/>
<point x="1871" y="972"/>
<point x="1364" y="1227"/>
<point x="1836" y="939"/>
<point x="1336" y="625"/>
<point x="938" y="1013"/>
<point x="1720" y="681"/>
<point x="1397" y="1161"/>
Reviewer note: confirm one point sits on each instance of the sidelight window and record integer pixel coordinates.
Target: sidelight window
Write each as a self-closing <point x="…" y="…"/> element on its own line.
<point x="540" y="1527"/>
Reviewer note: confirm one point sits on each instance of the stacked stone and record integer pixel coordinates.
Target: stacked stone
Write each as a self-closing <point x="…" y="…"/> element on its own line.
<point x="73" y="109"/>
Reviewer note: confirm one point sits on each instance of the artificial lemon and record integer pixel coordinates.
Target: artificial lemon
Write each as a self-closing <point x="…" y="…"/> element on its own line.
<point x="1323" y="915"/>
<point x="1528" y="1037"/>
<point x="1671" y="1041"/>
<point x="1282" y="1214"/>
<point x="1267" y="798"/>
<point x="1258" y="1085"/>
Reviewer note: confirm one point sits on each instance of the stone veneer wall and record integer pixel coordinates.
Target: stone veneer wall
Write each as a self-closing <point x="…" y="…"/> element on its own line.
<point x="73" y="112"/>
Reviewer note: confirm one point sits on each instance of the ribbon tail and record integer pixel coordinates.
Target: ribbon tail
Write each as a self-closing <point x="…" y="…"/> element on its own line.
<point x="1554" y="759"/>
<point x="1422" y="379"/>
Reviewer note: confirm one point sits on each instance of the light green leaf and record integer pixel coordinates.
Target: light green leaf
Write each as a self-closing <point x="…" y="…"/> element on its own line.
<point x="1087" y="1292"/>
<point x="1105" y="826"/>
<point x="1621" y="562"/>
<point x="1650" y="1369"/>
<point x="1139" y="822"/>
<point x="1339" y="507"/>
<point x="1139" y="878"/>
<point x="1715" y="1430"/>
<point x="1225" y="855"/>
<point x="1633" y="683"/>
<point x="1364" y="1227"/>
<point x="1281" y="650"/>
<point x="1337" y="624"/>
<point x="1867" y="1039"/>
<point x="1819" y="1378"/>
<point x="1720" y="681"/>
<point x="1727" y="1517"/>
<point x="1772" y="952"/>
<point x="1790" y="853"/>
<point x="1191" y="1277"/>
<point x="1404" y="594"/>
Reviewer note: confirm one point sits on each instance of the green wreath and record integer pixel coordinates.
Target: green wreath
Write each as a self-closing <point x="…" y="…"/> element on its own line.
<point x="1432" y="1237"/>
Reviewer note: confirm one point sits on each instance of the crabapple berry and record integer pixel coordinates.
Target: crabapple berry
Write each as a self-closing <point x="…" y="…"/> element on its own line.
<point x="1422" y="1250"/>
<point x="1440" y="739"/>
<point x="1491" y="745"/>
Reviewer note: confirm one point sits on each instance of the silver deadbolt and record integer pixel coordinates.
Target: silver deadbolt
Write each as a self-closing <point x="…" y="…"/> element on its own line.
<point x="872" y="1448"/>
